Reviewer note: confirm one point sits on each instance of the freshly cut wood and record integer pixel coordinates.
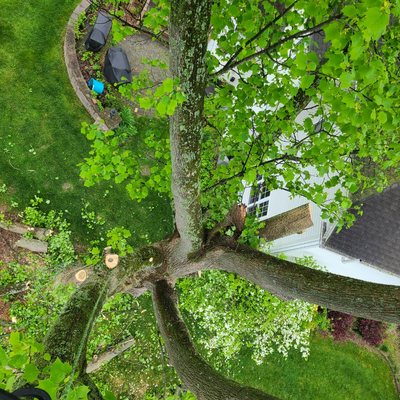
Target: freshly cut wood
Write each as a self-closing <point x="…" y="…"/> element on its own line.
<point x="81" y="275"/>
<point x="73" y="275"/>
<point x="39" y="233"/>
<point x="37" y="246"/>
<point x="288" y="223"/>
<point x="112" y="260"/>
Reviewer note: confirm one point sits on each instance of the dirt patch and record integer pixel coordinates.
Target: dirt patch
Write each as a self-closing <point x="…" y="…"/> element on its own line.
<point x="7" y="251"/>
<point x="4" y="311"/>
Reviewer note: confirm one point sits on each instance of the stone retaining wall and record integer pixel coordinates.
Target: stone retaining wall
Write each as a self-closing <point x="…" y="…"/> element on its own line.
<point x="75" y="76"/>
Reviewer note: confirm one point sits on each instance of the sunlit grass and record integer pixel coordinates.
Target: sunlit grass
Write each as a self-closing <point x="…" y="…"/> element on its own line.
<point x="40" y="118"/>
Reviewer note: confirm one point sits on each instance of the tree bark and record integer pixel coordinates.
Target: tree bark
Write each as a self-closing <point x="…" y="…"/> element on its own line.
<point x="188" y="30"/>
<point x="68" y="337"/>
<point x="199" y="377"/>
<point x="289" y="280"/>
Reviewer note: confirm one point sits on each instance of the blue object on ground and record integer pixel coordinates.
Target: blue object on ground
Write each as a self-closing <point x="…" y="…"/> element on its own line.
<point x="96" y="86"/>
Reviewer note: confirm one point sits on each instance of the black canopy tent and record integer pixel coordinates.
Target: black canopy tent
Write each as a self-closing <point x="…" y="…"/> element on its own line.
<point x="98" y="35"/>
<point x="116" y="66"/>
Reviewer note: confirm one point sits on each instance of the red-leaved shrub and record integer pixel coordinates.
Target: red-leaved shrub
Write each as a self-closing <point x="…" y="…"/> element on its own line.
<point x="373" y="332"/>
<point x="341" y="324"/>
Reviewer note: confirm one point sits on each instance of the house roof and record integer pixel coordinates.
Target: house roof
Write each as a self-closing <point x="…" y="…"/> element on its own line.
<point x="375" y="236"/>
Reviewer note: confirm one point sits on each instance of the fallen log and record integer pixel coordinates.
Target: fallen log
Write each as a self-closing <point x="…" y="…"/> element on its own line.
<point x="39" y="233"/>
<point x="100" y="360"/>
<point x="34" y="245"/>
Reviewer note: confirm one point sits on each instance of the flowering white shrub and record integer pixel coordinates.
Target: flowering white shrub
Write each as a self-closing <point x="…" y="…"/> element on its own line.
<point x="233" y="314"/>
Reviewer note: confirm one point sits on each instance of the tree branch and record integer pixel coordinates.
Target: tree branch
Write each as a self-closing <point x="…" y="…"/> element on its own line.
<point x="67" y="338"/>
<point x="289" y="280"/>
<point x="257" y="35"/>
<point x="198" y="376"/>
<point x="297" y="35"/>
<point x="236" y="217"/>
<point x="137" y="26"/>
<point x="243" y="171"/>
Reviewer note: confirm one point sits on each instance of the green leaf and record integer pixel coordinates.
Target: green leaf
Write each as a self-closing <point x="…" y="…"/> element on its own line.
<point x="79" y="393"/>
<point x="48" y="386"/>
<point x="306" y="81"/>
<point x="145" y="103"/>
<point x="250" y="176"/>
<point x="18" y="361"/>
<point x="109" y="396"/>
<point x="346" y="79"/>
<point x="301" y="60"/>
<point x="350" y="11"/>
<point x="162" y="105"/>
<point x="357" y="46"/>
<point x="335" y="34"/>
<point x="10" y="383"/>
<point x="3" y="357"/>
<point x="382" y="117"/>
<point x="375" y="22"/>
<point x="59" y="371"/>
<point x="168" y="85"/>
<point x="346" y="203"/>
<point x="171" y="107"/>
<point x="31" y="373"/>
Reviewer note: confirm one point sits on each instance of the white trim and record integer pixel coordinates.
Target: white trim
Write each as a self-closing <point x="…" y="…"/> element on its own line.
<point x="296" y="246"/>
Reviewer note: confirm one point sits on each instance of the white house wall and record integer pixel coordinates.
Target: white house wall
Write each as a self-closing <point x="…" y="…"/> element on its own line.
<point x="339" y="265"/>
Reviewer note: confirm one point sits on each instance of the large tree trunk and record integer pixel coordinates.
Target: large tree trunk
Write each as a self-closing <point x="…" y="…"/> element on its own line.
<point x="289" y="280"/>
<point x="199" y="377"/>
<point x="188" y="30"/>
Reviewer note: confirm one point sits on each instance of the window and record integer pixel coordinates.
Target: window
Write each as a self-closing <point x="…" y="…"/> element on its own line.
<point x="258" y="200"/>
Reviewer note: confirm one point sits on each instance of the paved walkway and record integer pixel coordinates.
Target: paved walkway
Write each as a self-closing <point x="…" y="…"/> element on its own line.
<point x="140" y="46"/>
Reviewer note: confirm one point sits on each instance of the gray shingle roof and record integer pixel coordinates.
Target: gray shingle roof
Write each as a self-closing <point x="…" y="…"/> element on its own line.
<point x="375" y="236"/>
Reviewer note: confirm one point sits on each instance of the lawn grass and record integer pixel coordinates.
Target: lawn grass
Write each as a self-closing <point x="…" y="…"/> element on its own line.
<point x="40" y="118"/>
<point x="334" y="371"/>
